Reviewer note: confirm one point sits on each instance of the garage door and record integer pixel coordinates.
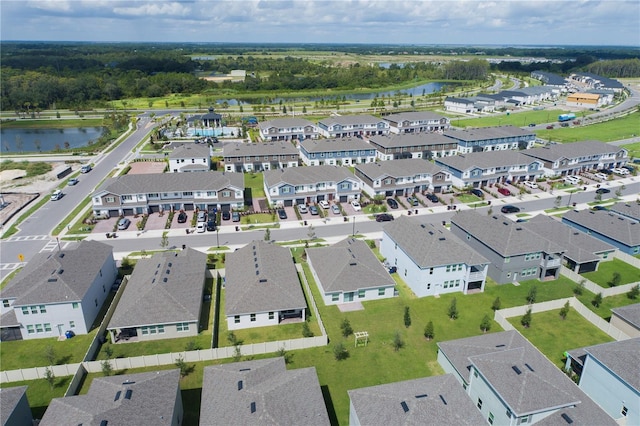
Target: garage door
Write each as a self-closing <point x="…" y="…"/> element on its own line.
<point x="299" y="200"/>
<point x="225" y="207"/>
<point x="343" y="198"/>
<point x="188" y="206"/>
<point x="114" y="213"/>
<point x="127" y="212"/>
<point x="288" y="203"/>
<point x="154" y="209"/>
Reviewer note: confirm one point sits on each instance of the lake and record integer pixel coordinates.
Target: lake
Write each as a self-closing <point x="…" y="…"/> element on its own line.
<point x="50" y="138"/>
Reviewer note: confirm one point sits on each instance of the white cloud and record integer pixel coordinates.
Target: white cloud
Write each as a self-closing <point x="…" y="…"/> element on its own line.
<point x="154" y="9"/>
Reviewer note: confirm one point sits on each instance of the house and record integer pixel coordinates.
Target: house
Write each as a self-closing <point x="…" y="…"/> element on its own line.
<point x="130" y="399"/>
<point x="128" y="195"/>
<point x="627" y="319"/>
<point x="14" y="407"/>
<point x="619" y="231"/>
<point x="287" y="129"/>
<point x="262" y="287"/>
<point x="336" y="152"/>
<point x="57" y="292"/>
<point x="349" y="271"/>
<point x="436" y="400"/>
<point x="609" y="375"/>
<point x="491" y="138"/>
<point x="302" y="185"/>
<point x="550" y="79"/>
<point x="261" y="392"/>
<point x="574" y="158"/>
<point x="597" y="82"/>
<point x="342" y="126"/>
<point x="583" y="252"/>
<point x="512" y="383"/>
<point x="162" y="299"/>
<point x="402" y="177"/>
<point x="629" y="210"/>
<point x="460" y="105"/>
<point x="256" y="157"/>
<point x="417" y="121"/>
<point x="413" y="145"/>
<point x="190" y="158"/>
<point x="430" y="259"/>
<point x="584" y="100"/>
<point x="478" y="169"/>
<point x="201" y="121"/>
<point x="514" y="252"/>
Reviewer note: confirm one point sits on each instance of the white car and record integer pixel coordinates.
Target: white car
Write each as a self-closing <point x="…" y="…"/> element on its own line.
<point x="324" y="204"/>
<point x="600" y="176"/>
<point x="573" y="180"/>
<point x="620" y="171"/>
<point x="530" y="184"/>
<point x="57" y="194"/>
<point x="201" y="227"/>
<point x="356" y="205"/>
<point x="302" y="209"/>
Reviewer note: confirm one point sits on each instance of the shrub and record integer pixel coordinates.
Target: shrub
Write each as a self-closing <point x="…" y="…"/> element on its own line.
<point x="526" y="319"/>
<point x="597" y="300"/>
<point x="345" y="326"/>
<point x="407" y="317"/>
<point x="485" y="325"/>
<point x="496" y="304"/>
<point x="634" y="292"/>
<point x="306" y="331"/>
<point x="564" y="311"/>
<point x="398" y="343"/>
<point x="533" y="293"/>
<point x="340" y="352"/>
<point x="453" y="309"/>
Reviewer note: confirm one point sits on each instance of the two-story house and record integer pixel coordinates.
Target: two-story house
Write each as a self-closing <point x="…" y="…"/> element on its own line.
<point x="190" y="157"/>
<point x="402" y="177"/>
<point x="342" y="126"/>
<point x="128" y="195"/>
<point x="413" y="145"/>
<point x="301" y="185"/>
<point x="430" y="259"/>
<point x="491" y="138"/>
<point x="336" y="152"/>
<point x="460" y="105"/>
<point x="256" y="157"/>
<point x="210" y="119"/>
<point x="417" y="121"/>
<point x="58" y="292"/>
<point x="573" y="158"/>
<point x="514" y="252"/>
<point x="287" y="129"/>
<point x="478" y="169"/>
<point x="620" y="231"/>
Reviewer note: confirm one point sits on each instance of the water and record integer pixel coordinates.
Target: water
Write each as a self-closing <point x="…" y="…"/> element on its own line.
<point x="50" y="139"/>
<point x="217" y="131"/>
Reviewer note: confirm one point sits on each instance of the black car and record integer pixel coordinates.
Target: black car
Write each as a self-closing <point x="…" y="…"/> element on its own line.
<point x="392" y="203"/>
<point x="600" y="208"/>
<point x="606" y="171"/>
<point x="182" y="217"/>
<point x="602" y="191"/>
<point x="226" y="215"/>
<point x="477" y="192"/>
<point x="384" y="217"/>
<point x="282" y="214"/>
<point x="432" y="197"/>
<point x="211" y="225"/>
<point x="509" y="209"/>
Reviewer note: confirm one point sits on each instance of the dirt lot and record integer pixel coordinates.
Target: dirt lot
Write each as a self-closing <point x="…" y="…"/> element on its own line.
<point x="147" y="167"/>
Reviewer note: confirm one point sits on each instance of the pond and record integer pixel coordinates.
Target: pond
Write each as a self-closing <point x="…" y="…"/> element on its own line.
<point x="27" y="140"/>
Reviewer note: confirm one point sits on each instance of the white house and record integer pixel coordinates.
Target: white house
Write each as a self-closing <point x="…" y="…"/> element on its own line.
<point x="342" y="126"/>
<point x="287" y="129"/>
<point x="336" y="152"/>
<point x="417" y="121"/>
<point x="256" y="157"/>
<point x="190" y="157"/>
<point x="402" y="177"/>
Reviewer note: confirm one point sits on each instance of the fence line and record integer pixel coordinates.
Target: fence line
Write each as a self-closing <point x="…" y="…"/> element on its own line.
<point x="313" y="301"/>
<point x="633" y="261"/>
<point x="595" y="288"/>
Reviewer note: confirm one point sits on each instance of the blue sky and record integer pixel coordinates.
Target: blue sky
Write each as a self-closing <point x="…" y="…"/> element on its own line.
<point x="520" y="22"/>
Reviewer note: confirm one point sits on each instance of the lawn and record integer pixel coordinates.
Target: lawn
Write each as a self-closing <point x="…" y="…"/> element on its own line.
<point x="604" y="274"/>
<point x="553" y="336"/>
<point x="619" y="128"/>
<point x="519" y="119"/>
<point x="254" y="184"/>
<point x="40" y="393"/>
<point x="468" y="198"/>
<point x="634" y="150"/>
<point x="604" y="310"/>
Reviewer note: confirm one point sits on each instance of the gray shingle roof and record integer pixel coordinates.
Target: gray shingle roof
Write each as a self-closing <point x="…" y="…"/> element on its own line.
<point x="616" y="227"/>
<point x="629" y="313"/>
<point x="9" y="399"/>
<point x="337" y="144"/>
<point x="483" y="133"/>
<point x="240" y="149"/>
<point x="349" y="265"/>
<point x="414" y="116"/>
<point x="437" y="400"/>
<point x="586" y="413"/>
<point x="190" y="150"/>
<point x="261" y="392"/>
<point x="307" y="175"/>
<point x="59" y="277"/>
<point x="630" y="209"/>
<point x="622" y="358"/>
<point x="172" y="182"/>
<point x="346" y="120"/>
<point x="285" y="123"/>
<point x="485" y="160"/>
<point x="398" y="168"/>
<point x="261" y="277"/>
<point x="152" y="401"/>
<point x="149" y="299"/>
<point x="572" y="150"/>
<point x="429" y="245"/>
<point x="410" y="139"/>
<point x="503" y="235"/>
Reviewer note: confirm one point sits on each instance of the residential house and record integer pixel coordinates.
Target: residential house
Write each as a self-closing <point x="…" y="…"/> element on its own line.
<point x="129" y="195"/>
<point x="336" y="152"/>
<point x="151" y="398"/>
<point x="597" y="82"/>
<point x="630" y="210"/>
<point x="190" y="158"/>
<point x="287" y="129"/>
<point x="619" y="231"/>
<point x="413" y="145"/>
<point x="14" y="407"/>
<point x="342" y="126"/>
<point x="460" y="105"/>
<point x="58" y="292"/>
<point x="478" y="169"/>
<point x="609" y="375"/>
<point x="402" y="177"/>
<point x="162" y="299"/>
<point x="417" y="121"/>
<point x="514" y="252"/>
<point x="584" y="100"/>
<point x="301" y="185"/>
<point x="606" y="95"/>
<point x="256" y="157"/>
<point x="550" y="79"/>
<point x="261" y="392"/>
<point x="583" y="252"/>
<point x="436" y="400"/>
<point x="262" y="287"/>
<point x="491" y="138"/>
<point x="349" y="271"/>
<point x="208" y="120"/>
<point x="430" y="259"/>
<point x="573" y="158"/>
<point x="627" y="319"/>
<point x="512" y="383"/>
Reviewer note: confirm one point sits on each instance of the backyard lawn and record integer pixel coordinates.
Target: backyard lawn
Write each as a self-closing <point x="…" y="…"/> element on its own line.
<point x="33" y="352"/>
<point x="254" y="183"/>
<point x="604" y="274"/>
<point x="40" y="393"/>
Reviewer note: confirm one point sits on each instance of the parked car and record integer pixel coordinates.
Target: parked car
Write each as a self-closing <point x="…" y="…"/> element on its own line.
<point x="57" y="194"/>
<point x="235" y="217"/>
<point x="226" y="215"/>
<point x="432" y="197"/>
<point x="599" y="208"/>
<point x="123" y="223"/>
<point x="335" y="209"/>
<point x="530" y="184"/>
<point x="356" y="205"/>
<point x="211" y="225"/>
<point x="392" y="203"/>
<point x="182" y="217"/>
<point x="384" y="217"/>
<point x="72" y="181"/>
<point x="509" y="209"/>
<point x="620" y="171"/>
<point x="630" y="168"/>
<point x="85" y="168"/>
<point x="201" y="227"/>
<point x="477" y="192"/>
<point x="504" y="191"/>
<point x="605" y="171"/>
<point x="600" y="175"/>
<point x="282" y="214"/>
<point x="302" y="209"/>
<point x="412" y="201"/>
<point x="602" y="191"/>
<point x="313" y="210"/>
<point x="202" y="216"/>
<point x="532" y="124"/>
<point x="550" y="126"/>
<point x="573" y="180"/>
<point x="324" y="204"/>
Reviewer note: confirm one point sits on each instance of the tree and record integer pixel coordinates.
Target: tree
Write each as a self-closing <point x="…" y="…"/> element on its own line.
<point x="496" y="304"/>
<point x="164" y="240"/>
<point x="615" y="279"/>
<point x="108" y="351"/>
<point x="526" y="319"/>
<point x="398" y="343"/>
<point x="185" y="369"/>
<point x="533" y="293"/>
<point x="597" y="300"/>
<point x="407" y="317"/>
<point x="453" y="309"/>
<point x="558" y="201"/>
<point x="577" y="290"/>
<point x="485" y="324"/>
<point x="107" y="369"/>
<point x="345" y="326"/>
<point x="284" y="354"/>
<point x="267" y="234"/>
<point x="340" y="352"/>
<point x="50" y="354"/>
<point x="429" y="333"/>
<point x="564" y="311"/>
<point x="306" y="331"/>
<point x="634" y="292"/>
<point x="49" y="377"/>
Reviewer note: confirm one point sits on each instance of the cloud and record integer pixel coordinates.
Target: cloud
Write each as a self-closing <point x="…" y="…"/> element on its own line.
<point x="154" y="9"/>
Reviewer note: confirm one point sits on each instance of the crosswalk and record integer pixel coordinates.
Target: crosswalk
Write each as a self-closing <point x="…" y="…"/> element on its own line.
<point x="50" y="246"/>
<point x="53" y="245"/>
<point x="27" y="238"/>
<point x="10" y="266"/>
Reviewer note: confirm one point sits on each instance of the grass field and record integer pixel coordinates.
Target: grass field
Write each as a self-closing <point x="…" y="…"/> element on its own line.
<point x="255" y="183"/>
<point x="32" y="353"/>
<point x="604" y="274"/>
<point x="620" y="128"/>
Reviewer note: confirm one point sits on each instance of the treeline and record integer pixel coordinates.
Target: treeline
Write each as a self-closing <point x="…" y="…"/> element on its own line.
<point x="624" y="68"/>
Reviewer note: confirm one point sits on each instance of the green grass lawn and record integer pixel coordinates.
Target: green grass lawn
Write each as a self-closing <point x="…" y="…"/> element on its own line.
<point x="604" y="274"/>
<point x="553" y="336"/>
<point x="519" y="119"/>
<point x="40" y="393"/>
<point x="254" y="183"/>
<point x="257" y="218"/>
<point x="468" y="198"/>
<point x="604" y="310"/>
<point x="32" y="353"/>
<point x="634" y="149"/>
<point x="620" y="128"/>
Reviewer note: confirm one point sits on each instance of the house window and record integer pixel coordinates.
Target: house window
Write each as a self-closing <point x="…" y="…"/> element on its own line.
<point x="405" y="272"/>
<point x="127" y="198"/>
<point x="75" y="305"/>
<point x="34" y="309"/>
<point x="381" y="292"/>
<point x="335" y="297"/>
<point x="30" y="329"/>
<point x="490" y="418"/>
<point x="272" y="315"/>
<point x="226" y="194"/>
<point x="43" y="309"/>
<point x="5" y="303"/>
<point x="624" y="411"/>
<point x="187" y="194"/>
<point x="25" y="310"/>
<point x="479" y="404"/>
<point x="361" y="294"/>
<point x="110" y="199"/>
<point x="507" y="259"/>
<point x="253" y="317"/>
<point x="39" y="328"/>
<point x="236" y="319"/>
<point x="47" y="327"/>
<point x="72" y="324"/>
<point x="182" y="326"/>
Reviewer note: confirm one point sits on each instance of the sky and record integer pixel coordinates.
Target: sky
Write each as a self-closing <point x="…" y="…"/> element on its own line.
<point x="421" y="22"/>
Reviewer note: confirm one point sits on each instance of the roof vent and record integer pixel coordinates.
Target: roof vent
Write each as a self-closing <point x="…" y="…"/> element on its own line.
<point x="263" y="280"/>
<point x="500" y="346"/>
<point x="405" y="407"/>
<point x="128" y="393"/>
<point x="245" y="369"/>
<point x="253" y="407"/>
<point x="153" y="281"/>
<point x="52" y="280"/>
<point x="505" y="223"/>
<point x="257" y="272"/>
<point x="516" y="369"/>
<point x="444" y="401"/>
<point x="168" y="271"/>
<point x="240" y="385"/>
<point x="353" y="263"/>
<point x="566" y="418"/>
<point x="61" y="255"/>
<point x="164" y="280"/>
<point x="104" y="423"/>
<point x="423" y="395"/>
<point x="117" y="395"/>
<point x="422" y="225"/>
<point x="529" y="367"/>
<point x="169" y="264"/>
<point x="442" y="239"/>
<point x="519" y="228"/>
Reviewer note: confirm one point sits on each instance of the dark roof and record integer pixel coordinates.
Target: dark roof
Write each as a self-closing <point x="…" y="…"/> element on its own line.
<point x="285" y="123"/>
<point x="336" y="144"/>
<point x="572" y="150"/>
<point x="190" y="150"/>
<point x="618" y="228"/>
<point x="484" y="133"/>
<point x="398" y="168"/>
<point x="628" y="209"/>
<point x="306" y="175"/>
<point x="240" y="149"/>
<point x="9" y="399"/>
<point x="410" y="139"/>
<point x="486" y="160"/>
<point x="549" y="78"/>
<point x="629" y="313"/>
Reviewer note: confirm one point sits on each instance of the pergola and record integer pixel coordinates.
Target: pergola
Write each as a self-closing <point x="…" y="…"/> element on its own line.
<point x="361" y="337"/>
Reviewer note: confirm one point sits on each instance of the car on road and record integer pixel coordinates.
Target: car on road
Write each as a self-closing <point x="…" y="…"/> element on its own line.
<point x="532" y="124"/>
<point x="509" y="209"/>
<point x="201" y="227"/>
<point x="235" y="217"/>
<point x="392" y="203"/>
<point x="226" y="215"/>
<point x="384" y="217"/>
<point x="550" y="126"/>
<point x="335" y="209"/>
<point x="600" y="175"/>
<point x="504" y="191"/>
<point x="530" y="184"/>
<point x="432" y="197"/>
<point x="72" y="181"/>
<point x="282" y="214"/>
<point x="324" y="204"/>
<point x="85" y="168"/>
<point x="211" y="225"/>
<point x="477" y="192"/>
<point x="602" y="191"/>
<point x="356" y="206"/>
<point x="123" y="224"/>
<point x="302" y="209"/>
<point x="599" y="208"/>
<point x="57" y="194"/>
<point x="412" y="201"/>
<point x="313" y="210"/>
<point x="182" y="217"/>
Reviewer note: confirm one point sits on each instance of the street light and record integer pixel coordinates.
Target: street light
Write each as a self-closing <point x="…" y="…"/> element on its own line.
<point x="353" y="233"/>
<point x="217" y="238"/>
